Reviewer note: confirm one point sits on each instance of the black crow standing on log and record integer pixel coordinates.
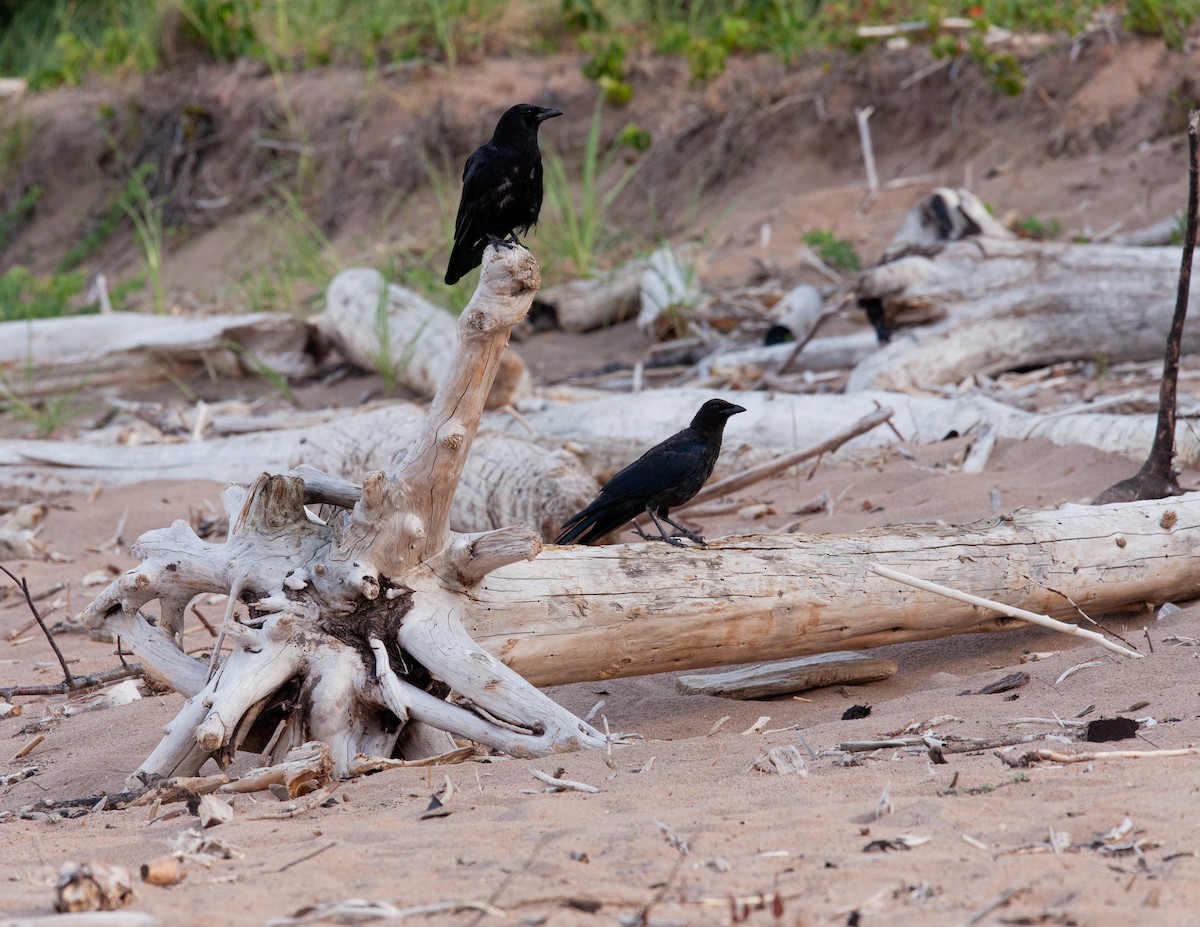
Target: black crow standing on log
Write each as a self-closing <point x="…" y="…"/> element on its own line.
<point x="502" y="188"/>
<point x="667" y="475"/>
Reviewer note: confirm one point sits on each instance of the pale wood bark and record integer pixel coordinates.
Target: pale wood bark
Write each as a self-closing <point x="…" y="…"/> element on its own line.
<point x="585" y="613"/>
<point x="339" y="611"/>
<point x="782" y="677"/>
<point x="1007" y="303"/>
<point x="406" y="332"/>
<point x="588" y="304"/>
<point x="608" y="430"/>
<point x="509" y="479"/>
<point x="49" y="356"/>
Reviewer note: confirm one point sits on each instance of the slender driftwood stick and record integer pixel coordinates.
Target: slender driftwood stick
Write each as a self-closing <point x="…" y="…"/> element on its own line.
<point x="24" y="587"/>
<point x="1044" y="620"/>
<point x="78" y="683"/>
<point x="1157" y="477"/>
<point x="779" y="464"/>
<point x="1054" y="756"/>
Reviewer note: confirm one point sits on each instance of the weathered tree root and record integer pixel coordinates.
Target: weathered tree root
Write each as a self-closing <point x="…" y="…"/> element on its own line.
<point x="353" y="629"/>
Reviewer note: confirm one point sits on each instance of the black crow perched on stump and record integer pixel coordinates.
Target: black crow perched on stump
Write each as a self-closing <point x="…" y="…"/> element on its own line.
<point x="666" y="476"/>
<point x="502" y="188"/>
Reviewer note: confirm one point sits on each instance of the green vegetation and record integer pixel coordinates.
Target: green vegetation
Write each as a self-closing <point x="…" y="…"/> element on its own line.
<point x="1035" y="228"/>
<point x="834" y="251"/>
<point x="301" y="261"/>
<point x="577" y="224"/>
<point x="147" y="218"/>
<point x="24" y="295"/>
<point x="63" y="41"/>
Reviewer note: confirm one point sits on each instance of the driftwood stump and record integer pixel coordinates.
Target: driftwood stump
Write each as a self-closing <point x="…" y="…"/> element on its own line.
<point x="353" y="635"/>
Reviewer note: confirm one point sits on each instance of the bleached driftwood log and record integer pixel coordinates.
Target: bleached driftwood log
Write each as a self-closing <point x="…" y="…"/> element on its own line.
<point x="406" y="333"/>
<point x="588" y="613"/>
<point x="350" y="622"/>
<point x="781" y="677"/>
<point x="610" y="430"/>
<point x="508" y="478"/>
<point x="591" y="303"/>
<point x="48" y="356"/>
<point x="1013" y="303"/>
<point x="603" y="431"/>
<point x="834" y="352"/>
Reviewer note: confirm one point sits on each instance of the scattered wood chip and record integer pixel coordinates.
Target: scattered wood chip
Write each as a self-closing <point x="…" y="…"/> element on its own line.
<point x="166" y="870"/>
<point x="899" y="842"/>
<point x="92" y="887"/>
<point x="25" y="773"/>
<point x="1013" y="681"/>
<point x="214" y="811"/>
<point x="717" y="725"/>
<point x="785" y="760"/>
<point x="757" y="726"/>
<point x="1103" y="730"/>
<point x="1039" y="655"/>
<point x="8" y="709"/>
<point x="884" y="806"/>
<point x="672" y="838"/>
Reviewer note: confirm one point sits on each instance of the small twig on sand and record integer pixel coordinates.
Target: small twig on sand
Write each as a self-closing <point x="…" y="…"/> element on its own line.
<point x="1054" y="756"/>
<point x="78" y="683"/>
<point x="562" y="785"/>
<point x="306" y="857"/>
<point x="1005" y="897"/>
<point x="1044" y="621"/>
<point x="23" y="585"/>
<point x="359" y="911"/>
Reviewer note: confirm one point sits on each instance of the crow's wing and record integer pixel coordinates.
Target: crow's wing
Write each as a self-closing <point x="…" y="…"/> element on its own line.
<point x="664" y="467"/>
<point x="481" y="175"/>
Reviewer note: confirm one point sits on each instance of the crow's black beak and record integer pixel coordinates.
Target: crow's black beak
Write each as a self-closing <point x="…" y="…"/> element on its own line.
<point x="734" y="410"/>
<point x="548" y="114"/>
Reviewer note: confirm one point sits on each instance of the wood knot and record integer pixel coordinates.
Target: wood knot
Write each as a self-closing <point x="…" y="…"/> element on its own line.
<point x="1121" y="542"/>
<point x="1169" y="519"/>
<point x="452" y="437"/>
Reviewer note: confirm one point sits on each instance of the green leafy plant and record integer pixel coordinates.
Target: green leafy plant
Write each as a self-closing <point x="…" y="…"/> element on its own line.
<point x="147" y="217"/>
<point x="834" y="251"/>
<point x="1035" y="228"/>
<point x="24" y="295"/>
<point x="579" y="223"/>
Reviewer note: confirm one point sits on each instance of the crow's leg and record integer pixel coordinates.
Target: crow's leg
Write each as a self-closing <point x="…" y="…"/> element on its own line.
<point x="674" y="542"/>
<point x="497" y="242"/>
<point x="684" y="531"/>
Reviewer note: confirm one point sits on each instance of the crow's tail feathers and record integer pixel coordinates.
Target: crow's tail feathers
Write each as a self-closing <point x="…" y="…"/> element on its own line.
<point x="464" y="256"/>
<point x="592" y="524"/>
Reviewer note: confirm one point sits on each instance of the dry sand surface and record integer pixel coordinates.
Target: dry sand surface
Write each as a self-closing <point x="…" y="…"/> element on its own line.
<point x="1096" y="144"/>
<point x="1010" y="847"/>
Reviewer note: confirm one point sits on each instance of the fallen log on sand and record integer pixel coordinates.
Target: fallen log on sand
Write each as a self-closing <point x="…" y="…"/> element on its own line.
<point x="129" y="349"/>
<point x="1008" y="303"/>
<point x="404" y="336"/>
<point x="508" y="478"/>
<point x="587" y="613"/>
<point x="357" y="626"/>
